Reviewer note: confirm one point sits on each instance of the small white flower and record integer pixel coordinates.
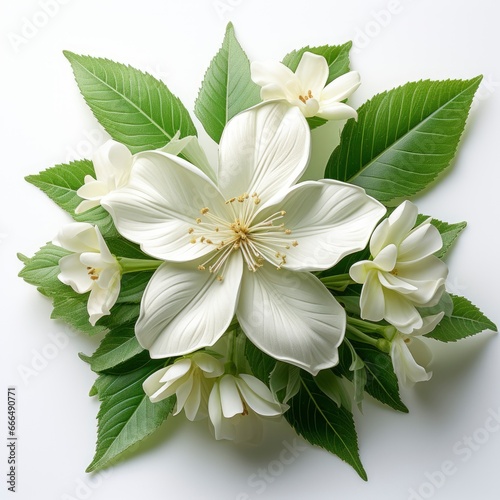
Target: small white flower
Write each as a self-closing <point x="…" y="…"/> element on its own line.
<point x="112" y="164"/>
<point x="236" y="404"/>
<point x="404" y="274"/>
<point x="410" y="355"/>
<point x="246" y="245"/>
<point x="190" y="379"/>
<point x="91" y="268"/>
<point x="306" y="87"/>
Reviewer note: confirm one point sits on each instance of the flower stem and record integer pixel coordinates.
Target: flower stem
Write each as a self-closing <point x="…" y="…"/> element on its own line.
<point x="354" y="334"/>
<point x="339" y="282"/>
<point x="367" y="326"/>
<point x="134" y="265"/>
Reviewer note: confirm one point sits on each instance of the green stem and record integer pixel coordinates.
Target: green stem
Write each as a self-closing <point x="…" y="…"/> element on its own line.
<point x="354" y="334"/>
<point x="339" y="282"/>
<point x="230" y="366"/>
<point x="134" y="265"/>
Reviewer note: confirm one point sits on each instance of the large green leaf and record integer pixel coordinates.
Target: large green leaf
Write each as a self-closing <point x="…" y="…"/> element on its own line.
<point x="60" y="184"/>
<point x="119" y="352"/>
<point x="404" y="138"/>
<point x="227" y="87"/>
<point x="126" y="415"/>
<point x="319" y="420"/>
<point x="465" y="320"/>
<point x="134" y="108"/>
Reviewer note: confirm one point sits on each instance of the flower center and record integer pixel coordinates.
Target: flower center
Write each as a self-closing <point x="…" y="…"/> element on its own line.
<point x="93" y="273"/>
<point x="305" y="98"/>
<point x="265" y="240"/>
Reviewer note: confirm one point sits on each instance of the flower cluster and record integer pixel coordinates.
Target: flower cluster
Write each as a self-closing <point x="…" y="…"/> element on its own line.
<point x="237" y="292"/>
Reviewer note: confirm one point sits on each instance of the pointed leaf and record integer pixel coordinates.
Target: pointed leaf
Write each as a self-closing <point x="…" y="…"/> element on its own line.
<point x="404" y="138"/>
<point x="465" y="320"/>
<point x="319" y="420"/>
<point x="126" y="415"/>
<point x="227" y="87"/>
<point x="134" y="108"/>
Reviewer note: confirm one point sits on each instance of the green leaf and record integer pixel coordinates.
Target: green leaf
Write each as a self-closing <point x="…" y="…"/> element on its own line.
<point x="60" y="184"/>
<point x="332" y="386"/>
<point x="260" y="363"/>
<point x="381" y="381"/>
<point x="466" y="320"/>
<point x="134" y="108"/>
<point x="126" y="415"/>
<point x="404" y="138"/>
<point x="119" y="352"/>
<point x="449" y="232"/>
<point x="285" y="381"/>
<point x="337" y="57"/>
<point x="133" y="286"/>
<point x="227" y="87"/>
<point x="319" y="420"/>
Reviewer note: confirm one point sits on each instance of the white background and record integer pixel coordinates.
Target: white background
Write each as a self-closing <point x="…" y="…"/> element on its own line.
<point x="45" y="121"/>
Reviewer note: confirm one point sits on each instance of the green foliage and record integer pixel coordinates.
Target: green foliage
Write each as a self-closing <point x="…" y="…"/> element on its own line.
<point x="126" y="416"/>
<point x="449" y="232"/>
<point x="465" y="320"/>
<point x="404" y="138"/>
<point x="319" y="420"/>
<point x="135" y="108"/>
<point x="60" y="184"/>
<point x="227" y="87"/>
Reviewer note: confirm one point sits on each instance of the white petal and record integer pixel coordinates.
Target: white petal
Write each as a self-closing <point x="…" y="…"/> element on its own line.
<point x="78" y="237"/>
<point x="101" y="300"/>
<point x="74" y="273"/>
<point x="263" y="150"/>
<point x="312" y="73"/>
<point x="184" y="309"/>
<point x="161" y="203"/>
<point x="336" y="111"/>
<point x="272" y="91"/>
<point x="154" y="388"/>
<point x="112" y="164"/>
<point x="395" y="228"/>
<point x="86" y="205"/>
<point x="429" y="323"/>
<point x="372" y="301"/>
<point x="400" y="312"/>
<point x="423" y="241"/>
<point x="328" y="219"/>
<point x="271" y="73"/>
<point x="184" y="392"/>
<point x="230" y="397"/>
<point x="405" y="366"/>
<point x="292" y="317"/>
<point x="191" y="150"/>
<point x="258" y="396"/>
<point x="93" y="190"/>
<point x="177" y="371"/>
<point x="340" y="88"/>
<point x="388" y="280"/>
<point x="387" y="258"/>
<point x="210" y="366"/>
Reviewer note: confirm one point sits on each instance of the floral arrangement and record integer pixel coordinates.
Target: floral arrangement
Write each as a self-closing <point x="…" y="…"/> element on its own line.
<point x="239" y="292"/>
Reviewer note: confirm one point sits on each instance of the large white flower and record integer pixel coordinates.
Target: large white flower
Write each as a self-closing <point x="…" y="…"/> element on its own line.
<point x="91" y="268"/>
<point x="245" y="245"/>
<point x="404" y="274"/>
<point x="113" y="163"/>
<point x="236" y="404"/>
<point x="306" y="87"/>
<point x="410" y="355"/>
<point x="190" y="379"/>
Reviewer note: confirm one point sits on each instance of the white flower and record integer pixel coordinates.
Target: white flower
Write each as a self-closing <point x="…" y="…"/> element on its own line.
<point x="404" y="274"/>
<point x="306" y="87"/>
<point x="235" y="404"/>
<point x="91" y="268"/>
<point x="245" y="245"/>
<point x="190" y="379"/>
<point x="113" y="163"/>
<point x="410" y="355"/>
